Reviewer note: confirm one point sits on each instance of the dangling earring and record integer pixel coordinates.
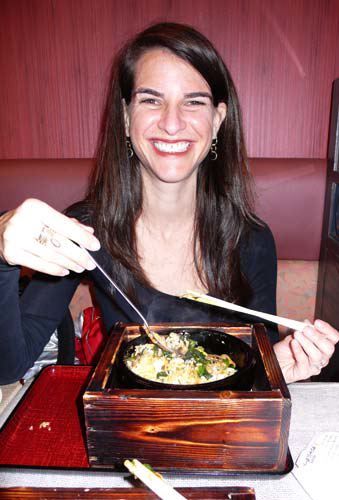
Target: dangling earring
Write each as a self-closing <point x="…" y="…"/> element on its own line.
<point x="129" y="147"/>
<point x="213" y="150"/>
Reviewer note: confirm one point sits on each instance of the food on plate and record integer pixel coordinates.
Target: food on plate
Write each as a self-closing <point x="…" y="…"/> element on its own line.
<point x="193" y="366"/>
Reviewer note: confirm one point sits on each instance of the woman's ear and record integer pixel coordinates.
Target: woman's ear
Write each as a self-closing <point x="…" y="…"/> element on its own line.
<point x="126" y="117"/>
<point x="219" y="117"/>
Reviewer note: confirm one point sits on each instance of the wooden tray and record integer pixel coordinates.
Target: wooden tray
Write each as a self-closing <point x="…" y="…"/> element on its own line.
<point x="239" y="493"/>
<point x="190" y="431"/>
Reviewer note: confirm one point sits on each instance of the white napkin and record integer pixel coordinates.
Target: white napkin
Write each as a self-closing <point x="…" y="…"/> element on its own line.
<point x="317" y="466"/>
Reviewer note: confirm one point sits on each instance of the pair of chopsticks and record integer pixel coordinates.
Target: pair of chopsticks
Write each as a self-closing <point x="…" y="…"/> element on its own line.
<point x="152" y="480"/>
<point x="206" y="299"/>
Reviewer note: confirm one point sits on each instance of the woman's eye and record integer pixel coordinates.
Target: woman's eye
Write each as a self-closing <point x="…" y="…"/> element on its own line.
<point x="149" y="100"/>
<point x="194" y="102"/>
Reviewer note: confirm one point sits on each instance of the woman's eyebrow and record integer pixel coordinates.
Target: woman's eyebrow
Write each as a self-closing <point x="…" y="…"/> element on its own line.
<point x="145" y="90"/>
<point x="189" y="95"/>
<point x="193" y="95"/>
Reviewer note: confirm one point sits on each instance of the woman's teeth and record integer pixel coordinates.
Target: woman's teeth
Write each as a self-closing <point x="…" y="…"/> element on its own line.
<point x="172" y="147"/>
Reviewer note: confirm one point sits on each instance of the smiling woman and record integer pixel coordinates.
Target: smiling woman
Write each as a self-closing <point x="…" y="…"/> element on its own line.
<point x="170" y="204"/>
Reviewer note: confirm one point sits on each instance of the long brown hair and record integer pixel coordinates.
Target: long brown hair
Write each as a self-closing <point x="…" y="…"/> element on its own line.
<point x="223" y="201"/>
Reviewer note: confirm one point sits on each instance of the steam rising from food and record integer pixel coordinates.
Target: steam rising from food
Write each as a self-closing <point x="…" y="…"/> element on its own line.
<point x="193" y="366"/>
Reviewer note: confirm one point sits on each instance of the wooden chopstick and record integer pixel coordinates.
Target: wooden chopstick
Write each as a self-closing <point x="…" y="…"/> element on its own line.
<point x="206" y="299"/>
<point x="154" y="482"/>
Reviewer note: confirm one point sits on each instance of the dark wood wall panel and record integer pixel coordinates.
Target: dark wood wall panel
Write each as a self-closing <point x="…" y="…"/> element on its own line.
<point x="55" y="58"/>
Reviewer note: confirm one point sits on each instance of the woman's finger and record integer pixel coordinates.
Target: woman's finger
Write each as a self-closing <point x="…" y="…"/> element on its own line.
<point x="302" y="368"/>
<point x="323" y="342"/>
<point x="33" y="262"/>
<point x="71" y="229"/>
<point x="60" y="250"/>
<point x="90" y="229"/>
<point x="307" y="343"/>
<point x="327" y="330"/>
<point x="318" y="348"/>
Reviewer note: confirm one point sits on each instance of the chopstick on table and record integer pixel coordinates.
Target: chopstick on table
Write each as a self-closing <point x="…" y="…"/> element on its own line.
<point x="206" y="299"/>
<point x="152" y="480"/>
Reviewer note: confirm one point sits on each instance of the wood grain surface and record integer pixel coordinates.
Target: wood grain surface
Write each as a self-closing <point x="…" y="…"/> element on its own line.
<point x="55" y="58"/>
<point x="189" y="430"/>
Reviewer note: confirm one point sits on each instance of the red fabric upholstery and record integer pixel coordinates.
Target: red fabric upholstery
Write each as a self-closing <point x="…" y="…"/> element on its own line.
<point x="57" y="182"/>
<point x="290" y="195"/>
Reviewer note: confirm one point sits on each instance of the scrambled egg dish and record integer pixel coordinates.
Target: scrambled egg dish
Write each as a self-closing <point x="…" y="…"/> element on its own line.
<point x="193" y="366"/>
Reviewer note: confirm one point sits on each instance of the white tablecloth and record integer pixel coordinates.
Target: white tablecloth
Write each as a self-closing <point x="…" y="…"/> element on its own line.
<point x="315" y="408"/>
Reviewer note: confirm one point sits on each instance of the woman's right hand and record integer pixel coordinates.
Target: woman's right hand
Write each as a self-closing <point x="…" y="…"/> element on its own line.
<point x="35" y="235"/>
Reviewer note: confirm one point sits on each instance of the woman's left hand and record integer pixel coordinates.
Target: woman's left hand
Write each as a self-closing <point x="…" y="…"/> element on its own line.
<point x="303" y="354"/>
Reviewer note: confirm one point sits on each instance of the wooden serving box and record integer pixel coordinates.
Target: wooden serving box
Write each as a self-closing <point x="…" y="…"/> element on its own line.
<point x="190" y="431"/>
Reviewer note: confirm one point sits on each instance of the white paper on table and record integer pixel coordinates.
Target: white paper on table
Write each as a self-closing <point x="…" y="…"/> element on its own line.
<point x="317" y="467"/>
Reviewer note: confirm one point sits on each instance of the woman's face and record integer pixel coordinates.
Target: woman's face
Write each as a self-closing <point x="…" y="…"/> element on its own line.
<point x="171" y="119"/>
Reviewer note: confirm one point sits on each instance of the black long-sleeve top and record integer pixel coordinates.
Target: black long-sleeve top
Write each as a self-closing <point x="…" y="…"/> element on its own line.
<point x="26" y="323"/>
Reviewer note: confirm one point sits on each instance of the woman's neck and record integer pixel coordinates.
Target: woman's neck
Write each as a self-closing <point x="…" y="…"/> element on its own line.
<point x="167" y="206"/>
<point x="165" y="234"/>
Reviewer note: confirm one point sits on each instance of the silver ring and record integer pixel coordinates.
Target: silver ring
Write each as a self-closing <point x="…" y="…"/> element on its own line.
<point x="46" y="236"/>
<point x="55" y="242"/>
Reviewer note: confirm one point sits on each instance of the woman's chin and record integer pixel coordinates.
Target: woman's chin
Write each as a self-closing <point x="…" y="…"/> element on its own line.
<point x="172" y="176"/>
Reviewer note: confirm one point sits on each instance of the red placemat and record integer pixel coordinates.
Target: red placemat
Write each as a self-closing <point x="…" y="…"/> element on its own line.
<point x="47" y="428"/>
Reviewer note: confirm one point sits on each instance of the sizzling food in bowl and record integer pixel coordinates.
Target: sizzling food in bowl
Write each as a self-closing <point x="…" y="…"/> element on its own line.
<point x="208" y="340"/>
<point x="193" y="366"/>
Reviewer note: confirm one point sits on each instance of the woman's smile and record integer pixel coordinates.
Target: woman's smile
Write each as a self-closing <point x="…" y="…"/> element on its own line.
<point x="171" y="147"/>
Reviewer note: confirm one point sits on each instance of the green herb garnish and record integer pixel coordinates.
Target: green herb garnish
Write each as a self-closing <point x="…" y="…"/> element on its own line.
<point x="167" y="354"/>
<point x="203" y="372"/>
<point x="226" y="362"/>
<point x="196" y="353"/>
<point x="229" y="362"/>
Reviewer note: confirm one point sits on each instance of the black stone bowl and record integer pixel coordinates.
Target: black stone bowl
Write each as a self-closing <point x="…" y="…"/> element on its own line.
<point x="214" y="342"/>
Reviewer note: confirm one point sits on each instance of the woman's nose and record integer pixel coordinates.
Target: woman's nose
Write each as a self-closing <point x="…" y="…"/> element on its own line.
<point x="171" y="120"/>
